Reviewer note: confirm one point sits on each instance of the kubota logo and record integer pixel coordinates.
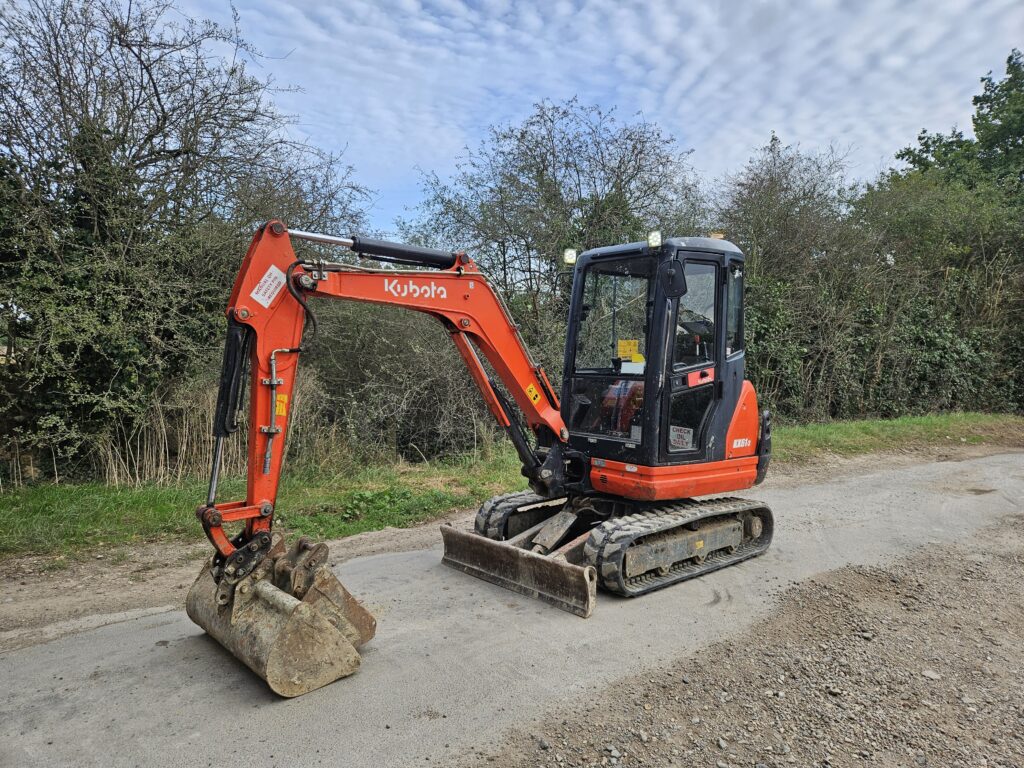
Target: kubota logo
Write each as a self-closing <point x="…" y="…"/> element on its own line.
<point x="409" y="288"/>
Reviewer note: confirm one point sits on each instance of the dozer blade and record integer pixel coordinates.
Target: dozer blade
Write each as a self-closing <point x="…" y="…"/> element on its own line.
<point x="550" y="578"/>
<point x="290" y="621"/>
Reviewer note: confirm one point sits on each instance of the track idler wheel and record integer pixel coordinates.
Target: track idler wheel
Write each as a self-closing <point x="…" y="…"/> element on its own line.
<point x="290" y="620"/>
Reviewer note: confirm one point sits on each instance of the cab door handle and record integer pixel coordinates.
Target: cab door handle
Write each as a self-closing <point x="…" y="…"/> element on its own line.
<point x="696" y="378"/>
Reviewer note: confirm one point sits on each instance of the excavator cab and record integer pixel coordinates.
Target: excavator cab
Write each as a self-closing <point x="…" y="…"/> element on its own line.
<point x="654" y="358"/>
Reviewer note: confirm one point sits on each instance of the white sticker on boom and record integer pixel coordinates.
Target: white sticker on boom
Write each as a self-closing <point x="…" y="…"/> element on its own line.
<point x="268" y="287"/>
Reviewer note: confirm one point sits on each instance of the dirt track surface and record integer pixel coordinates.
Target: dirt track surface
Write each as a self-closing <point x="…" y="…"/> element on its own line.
<point x="464" y="671"/>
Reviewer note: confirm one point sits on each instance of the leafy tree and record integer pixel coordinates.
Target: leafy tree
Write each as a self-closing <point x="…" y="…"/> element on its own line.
<point x="137" y="154"/>
<point x="996" y="153"/>
<point x="568" y="176"/>
<point x="957" y="212"/>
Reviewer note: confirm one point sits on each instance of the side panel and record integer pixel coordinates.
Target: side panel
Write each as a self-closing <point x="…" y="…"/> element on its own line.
<point x="685" y="481"/>
<point x="741" y="439"/>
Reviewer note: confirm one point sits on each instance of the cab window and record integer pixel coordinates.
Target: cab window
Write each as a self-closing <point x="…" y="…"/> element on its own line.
<point x="608" y="406"/>
<point x="612" y="332"/>
<point x="611" y="350"/>
<point x="695" y="317"/>
<point x="734" y="310"/>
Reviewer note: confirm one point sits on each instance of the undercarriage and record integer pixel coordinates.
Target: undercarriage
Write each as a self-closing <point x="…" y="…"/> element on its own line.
<point x="560" y="550"/>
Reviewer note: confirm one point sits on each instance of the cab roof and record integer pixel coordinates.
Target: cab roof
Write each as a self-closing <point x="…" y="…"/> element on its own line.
<point x="708" y="244"/>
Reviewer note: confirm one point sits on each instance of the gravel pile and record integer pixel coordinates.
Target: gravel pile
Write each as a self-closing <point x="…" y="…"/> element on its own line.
<point x="917" y="664"/>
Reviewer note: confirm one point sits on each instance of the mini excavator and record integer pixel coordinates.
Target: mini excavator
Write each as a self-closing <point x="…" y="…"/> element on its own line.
<point x="654" y="412"/>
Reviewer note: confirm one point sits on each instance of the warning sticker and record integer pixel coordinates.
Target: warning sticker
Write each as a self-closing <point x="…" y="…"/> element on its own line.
<point x="629" y="349"/>
<point x="281" y="406"/>
<point x="533" y="393"/>
<point x="680" y="438"/>
<point x="268" y="287"/>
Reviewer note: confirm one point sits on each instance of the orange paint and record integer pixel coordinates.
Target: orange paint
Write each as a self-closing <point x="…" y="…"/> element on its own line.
<point x="673" y="482"/>
<point x="696" y="378"/>
<point x="741" y="438"/>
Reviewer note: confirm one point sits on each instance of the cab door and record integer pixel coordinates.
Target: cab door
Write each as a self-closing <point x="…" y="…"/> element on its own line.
<point x="692" y="393"/>
<point x="607" y="372"/>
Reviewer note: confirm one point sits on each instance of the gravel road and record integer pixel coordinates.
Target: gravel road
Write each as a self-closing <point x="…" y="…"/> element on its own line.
<point x="878" y="654"/>
<point x="919" y="663"/>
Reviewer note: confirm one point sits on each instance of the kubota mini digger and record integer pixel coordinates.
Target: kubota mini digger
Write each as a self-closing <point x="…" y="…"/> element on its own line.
<point x="654" y="411"/>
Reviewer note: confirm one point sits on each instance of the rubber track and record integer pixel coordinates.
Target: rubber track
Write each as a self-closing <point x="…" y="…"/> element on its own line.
<point x="495" y="512"/>
<point x="606" y="548"/>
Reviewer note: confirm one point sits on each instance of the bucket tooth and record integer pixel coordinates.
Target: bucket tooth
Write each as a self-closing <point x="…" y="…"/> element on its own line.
<point x="295" y="642"/>
<point x="552" y="579"/>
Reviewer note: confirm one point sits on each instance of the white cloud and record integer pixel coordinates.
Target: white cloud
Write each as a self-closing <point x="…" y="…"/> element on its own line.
<point x="408" y="83"/>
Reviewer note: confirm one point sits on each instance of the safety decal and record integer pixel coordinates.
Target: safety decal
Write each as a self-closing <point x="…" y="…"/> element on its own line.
<point x="680" y="438"/>
<point x="629" y="349"/>
<point x="533" y="393"/>
<point x="268" y="287"/>
<point x="281" y="406"/>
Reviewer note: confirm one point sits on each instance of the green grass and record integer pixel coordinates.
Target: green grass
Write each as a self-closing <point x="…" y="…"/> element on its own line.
<point x="65" y="519"/>
<point x="49" y="518"/>
<point x="804" y="442"/>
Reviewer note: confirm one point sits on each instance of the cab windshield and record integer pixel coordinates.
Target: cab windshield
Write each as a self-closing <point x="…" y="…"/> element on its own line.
<point x="612" y="332"/>
<point x="611" y="350"/>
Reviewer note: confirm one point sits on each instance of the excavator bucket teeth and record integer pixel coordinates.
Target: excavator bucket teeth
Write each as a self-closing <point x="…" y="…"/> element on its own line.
<point x="290" y="621"/>
<point x="554" y="580"/>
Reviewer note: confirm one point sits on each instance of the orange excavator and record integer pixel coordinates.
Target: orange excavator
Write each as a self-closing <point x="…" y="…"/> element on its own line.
<point x="654" y="412"/>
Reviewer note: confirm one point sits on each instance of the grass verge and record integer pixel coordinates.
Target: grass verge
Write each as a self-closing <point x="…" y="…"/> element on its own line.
<point x="49" y="518"/>
<point x="805" y="442"/>
<point x="46" y="519"/>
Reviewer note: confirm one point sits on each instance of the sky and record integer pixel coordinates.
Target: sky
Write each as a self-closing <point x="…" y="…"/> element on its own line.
<point x="404" y="86"/>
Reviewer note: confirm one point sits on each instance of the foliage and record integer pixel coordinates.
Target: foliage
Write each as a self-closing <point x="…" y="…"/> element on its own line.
<point x="904" y="296"/>
<point x="996" y="153"/>
<point x="568" y="176"/>
<point x="135" y="156"/>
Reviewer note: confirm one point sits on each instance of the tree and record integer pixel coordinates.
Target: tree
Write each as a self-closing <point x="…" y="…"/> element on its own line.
<point x="785" y="208"/>
<point x="959" y="209"/>
<point x="807" y="266"/>
<point x="996" y="153"/>
<point x="568" y="176"/>
<point x="141" y="152"/>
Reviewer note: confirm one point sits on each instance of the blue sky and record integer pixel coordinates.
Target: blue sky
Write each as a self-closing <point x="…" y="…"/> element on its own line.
<point x="402" y="85"/>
